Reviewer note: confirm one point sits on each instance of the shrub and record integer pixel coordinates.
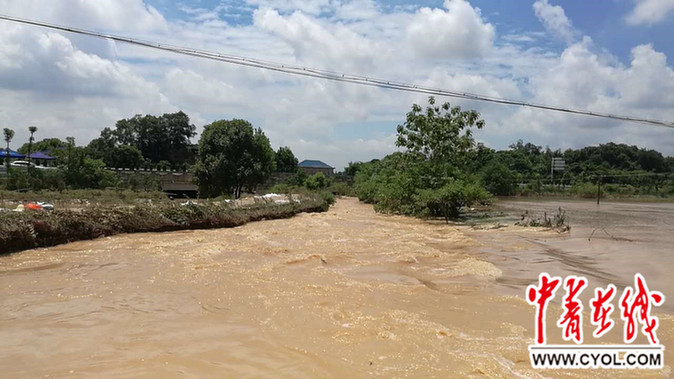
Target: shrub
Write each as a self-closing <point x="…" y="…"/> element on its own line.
<point x="498" y="179"/>
<point x="53" y="180"/>
<point x="328" y="197"/>
<point x="316" y="181"/>
<point x="402" y="183"/>
<point x="341" y="189"/>
<point x="298" y="179"/>
<point x="17" y="179"/>
<point x="448" y="200"/>
<point x="586" y="190"/>
<point x="89" y="173"/>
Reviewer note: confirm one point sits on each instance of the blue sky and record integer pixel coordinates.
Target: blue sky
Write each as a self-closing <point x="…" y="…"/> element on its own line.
<point x="610" y="56"/>
<point x="603" y="21"/>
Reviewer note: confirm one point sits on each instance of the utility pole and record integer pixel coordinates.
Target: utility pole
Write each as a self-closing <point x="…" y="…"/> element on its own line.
<point x="598" y="189"/>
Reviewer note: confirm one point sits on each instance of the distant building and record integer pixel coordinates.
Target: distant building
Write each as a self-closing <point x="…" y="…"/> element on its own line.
<point x="313" y="167"/>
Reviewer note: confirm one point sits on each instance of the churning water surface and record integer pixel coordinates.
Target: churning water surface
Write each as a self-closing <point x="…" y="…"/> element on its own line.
<point x="346" y="292"/>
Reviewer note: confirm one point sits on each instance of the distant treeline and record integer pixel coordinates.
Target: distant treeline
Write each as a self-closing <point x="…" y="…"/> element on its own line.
<point x="525" y="168"/>
<point x="441" y="160"/>
<point x="441" y="170"/>
<point x="231" y="155"/>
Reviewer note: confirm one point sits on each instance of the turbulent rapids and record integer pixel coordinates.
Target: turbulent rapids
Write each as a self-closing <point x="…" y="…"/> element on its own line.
<point x="346" y="292"/>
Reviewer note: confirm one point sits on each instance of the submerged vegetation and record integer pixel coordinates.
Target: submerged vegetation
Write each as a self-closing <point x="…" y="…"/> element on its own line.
<point x="558" y="222"/>
<point x="25" y="230"/>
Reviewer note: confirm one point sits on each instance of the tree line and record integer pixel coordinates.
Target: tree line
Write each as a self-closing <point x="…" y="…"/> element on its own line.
<point x="525" y="168"/>
<point x="231" y="155"/>
<point x="442" y="169"/>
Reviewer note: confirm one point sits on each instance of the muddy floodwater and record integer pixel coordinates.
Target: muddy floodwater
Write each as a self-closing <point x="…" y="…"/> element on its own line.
<point x="346" y="292"/>
<point x="608" y="243"/>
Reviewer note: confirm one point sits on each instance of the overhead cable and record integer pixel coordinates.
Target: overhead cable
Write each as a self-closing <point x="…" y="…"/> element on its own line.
<point x="331" y="75"/>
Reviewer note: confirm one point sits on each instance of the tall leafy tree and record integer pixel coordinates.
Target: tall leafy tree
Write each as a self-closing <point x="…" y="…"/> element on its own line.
<point x="232" y="155"/>
<point x="80" y="170"/>
<point x="124" y="156"/>
<point x="430" y="178"/>
<point x="441" y="133"/>
<point x="162" y="138"/>
<point x="285" y="160"/>
<point x="498" y="179"/>
<point x="103" y="146"/>
<point x="352" y="168"/>
<point x="8" y="135"/>
<point x="47" y="144"/>
<point x="113" y="154"/>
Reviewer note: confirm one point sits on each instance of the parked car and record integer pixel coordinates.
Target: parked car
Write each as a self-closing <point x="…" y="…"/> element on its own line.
<point x="26" y="164"/>
<point x="22" y="164"/>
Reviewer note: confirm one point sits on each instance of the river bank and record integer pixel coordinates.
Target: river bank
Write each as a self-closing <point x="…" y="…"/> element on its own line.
<point x="344" y="292"/>
<point x="30" y="229"/>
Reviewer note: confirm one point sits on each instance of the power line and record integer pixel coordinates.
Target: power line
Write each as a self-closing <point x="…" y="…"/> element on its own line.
<point x="331" y="75"/>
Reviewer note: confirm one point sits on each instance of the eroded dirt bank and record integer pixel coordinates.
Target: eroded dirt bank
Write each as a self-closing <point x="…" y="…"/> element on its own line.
<point x="346" y="292"/>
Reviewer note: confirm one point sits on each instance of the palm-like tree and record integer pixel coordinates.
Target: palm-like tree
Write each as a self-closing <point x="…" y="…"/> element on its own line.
<point x="9" y="134"/>
<point x="32" y="130"/>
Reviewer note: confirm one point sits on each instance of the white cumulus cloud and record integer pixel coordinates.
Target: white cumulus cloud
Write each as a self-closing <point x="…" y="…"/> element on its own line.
<point x="554" y="19"/>
<point x="458" y="31"/>
<point x="71" y="85"/>
<point x="650" y="12"/>
<point x="126" y="15"/>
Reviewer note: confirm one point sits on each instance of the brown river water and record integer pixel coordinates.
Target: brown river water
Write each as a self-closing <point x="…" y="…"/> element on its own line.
<point x="346" y="292"/>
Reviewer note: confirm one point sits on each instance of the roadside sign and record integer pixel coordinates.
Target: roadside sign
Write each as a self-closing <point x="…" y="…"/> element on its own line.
<point x="556" y="164"/>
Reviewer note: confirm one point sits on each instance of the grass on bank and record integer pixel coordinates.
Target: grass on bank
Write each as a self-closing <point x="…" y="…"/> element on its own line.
<point x="64" y="198"/>
<point x="26" y="230"/>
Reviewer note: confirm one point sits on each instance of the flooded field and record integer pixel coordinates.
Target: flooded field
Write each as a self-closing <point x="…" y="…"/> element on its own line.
<point x="608" y="243"/>
<point x="347" y="292"/>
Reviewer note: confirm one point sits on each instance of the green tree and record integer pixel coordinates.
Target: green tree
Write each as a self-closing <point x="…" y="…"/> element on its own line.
<point x="480" y="157"/>
<point x="126" y="157"/>
<point x="431" y="178"/>
<point x="103" y="147"/>
<point x="89" y="173"/>
<point x="498" y="178"/>
<point x="47" y="144"/>
<point x="285" y="160"/>
<point x="165" y="137"/>
<point x="299" y="178"/>
<point x="316" y="181"/>
<point x="80" y="170"/>
<point x="232" y="154"/>
<point x="31" y="139"/>
<point x="121" y="156"/>
<point x="8" y="134"/>
<point x="352" y="168"/>
<point x="447" y="200"/>
<point x="70" y="157"/>
<point x="440" y="133"/>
